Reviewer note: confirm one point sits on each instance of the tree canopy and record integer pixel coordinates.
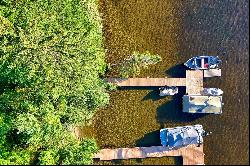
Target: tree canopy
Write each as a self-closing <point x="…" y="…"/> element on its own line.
<point x="51" y="57"/>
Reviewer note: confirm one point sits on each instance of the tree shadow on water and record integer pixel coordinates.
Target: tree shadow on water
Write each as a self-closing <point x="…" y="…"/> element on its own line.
<point x="137" y="88"/>
<point x="178" y="160"/>
<point x="172" y="110"/>
<point x="117" y="162"/>
<point x="177" y="71"/>
<point x="153" y="95"/>
<point x="149" y="139"/>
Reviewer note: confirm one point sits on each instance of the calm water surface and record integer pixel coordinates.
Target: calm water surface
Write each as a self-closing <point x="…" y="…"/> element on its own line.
<point x="177" y="30"/>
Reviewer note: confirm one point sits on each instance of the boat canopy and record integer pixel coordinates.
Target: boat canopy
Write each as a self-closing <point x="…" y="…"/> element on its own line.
<point x="202" y="104"/>
<point x="182" y="136"/>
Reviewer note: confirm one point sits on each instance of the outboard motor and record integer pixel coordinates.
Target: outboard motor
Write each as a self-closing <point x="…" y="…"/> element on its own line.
<point x="204" y="134"/>
<point x="218" y="61"/>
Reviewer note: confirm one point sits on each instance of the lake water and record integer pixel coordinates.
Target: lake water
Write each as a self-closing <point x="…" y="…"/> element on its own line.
<point x="177" y="30"/>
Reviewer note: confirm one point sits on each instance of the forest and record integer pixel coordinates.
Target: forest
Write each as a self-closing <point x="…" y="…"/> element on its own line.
<point x="51" y="60"/>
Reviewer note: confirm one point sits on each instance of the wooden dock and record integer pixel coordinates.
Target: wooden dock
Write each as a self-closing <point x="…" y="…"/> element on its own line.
<point x="191" y="154"/>
<point x="148" y="81"/>
<point x="212" y="73"/>
<point x="193" y="81"/>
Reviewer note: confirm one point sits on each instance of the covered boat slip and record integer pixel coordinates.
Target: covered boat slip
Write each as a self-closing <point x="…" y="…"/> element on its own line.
<point x="202" y="104"/>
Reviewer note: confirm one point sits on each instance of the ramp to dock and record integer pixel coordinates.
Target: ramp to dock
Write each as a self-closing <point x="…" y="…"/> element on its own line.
<point x="191" y="154"/>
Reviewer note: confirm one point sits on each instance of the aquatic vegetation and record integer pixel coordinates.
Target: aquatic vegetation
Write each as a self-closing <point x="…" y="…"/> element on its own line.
<point x="137" y="61"/>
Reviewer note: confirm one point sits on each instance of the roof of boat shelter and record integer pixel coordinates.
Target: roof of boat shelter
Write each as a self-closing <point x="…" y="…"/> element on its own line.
<point x="202" y="104"/>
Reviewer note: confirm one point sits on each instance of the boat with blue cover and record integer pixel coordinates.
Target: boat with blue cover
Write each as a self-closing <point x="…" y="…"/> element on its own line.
<point x="212" y="91"/>
<point x="182" y="136"/>
<point x="203" y="62"/>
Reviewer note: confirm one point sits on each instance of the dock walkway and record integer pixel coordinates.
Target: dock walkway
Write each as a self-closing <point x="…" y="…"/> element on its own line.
<point x="148" y="81"/>
<point x="193" y="81"/>
<point x="191" y="155"/>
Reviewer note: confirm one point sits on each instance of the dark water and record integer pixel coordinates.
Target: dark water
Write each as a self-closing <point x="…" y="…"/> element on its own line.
<point x="178" y="30"/>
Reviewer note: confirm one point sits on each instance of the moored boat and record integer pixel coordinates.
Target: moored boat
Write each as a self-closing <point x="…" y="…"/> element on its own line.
<point x="182" y="136"/>
<point x="203" y="62"/>
<point x="212" y="91"/>
<point x="168" y="90"/>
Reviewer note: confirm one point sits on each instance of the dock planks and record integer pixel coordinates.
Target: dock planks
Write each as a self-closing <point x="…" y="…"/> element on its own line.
<point x="193" y="81"/>
<point x="212" y="73"/>
<point x="191" y="154"/>
<point x="148" y="81"/>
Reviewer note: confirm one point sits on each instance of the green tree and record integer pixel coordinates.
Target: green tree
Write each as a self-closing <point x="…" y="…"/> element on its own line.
<point x="78" y="153"/>
<point x="48" y="157"/>
<point x="51" y="57"/>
